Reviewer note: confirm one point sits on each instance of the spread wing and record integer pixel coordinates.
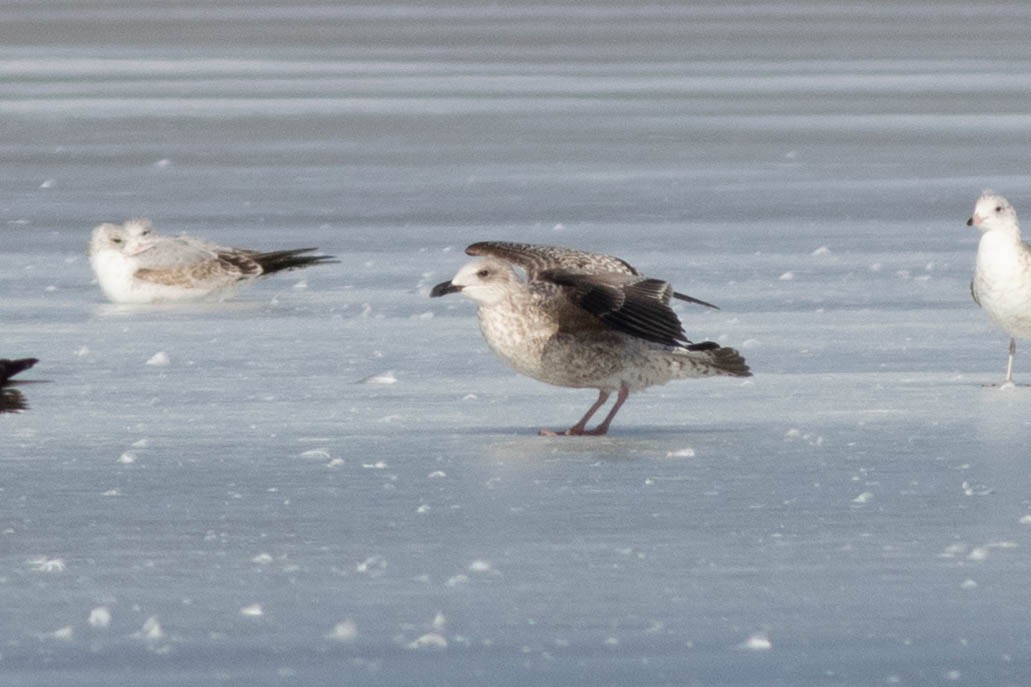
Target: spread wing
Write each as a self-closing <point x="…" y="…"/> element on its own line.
<point x="631" y="304"/>
<point x="606" y="288"/>
<point x="535" y="258"/>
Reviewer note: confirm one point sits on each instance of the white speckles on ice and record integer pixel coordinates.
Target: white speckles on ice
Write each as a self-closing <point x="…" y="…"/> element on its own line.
<point x="757" y="642"/>
<point x="63" y="634"/>
<point x="787" y="276"/>
<point x="481" y="566"/>
<point x="345" y="631"/>
<point x="127" y="458"/>
<point x="387" y="377"/>
<point x="430" y="640"/>
<point x="437" y="474"/>
<point x="100" y="618"/>
<point x="434" y="639"/>
<point x="1025" y="520"/>
<point x="971" y="489"/>
<point x="252" y="611"/>
<point x="686" y="452"/>
<point x="262" y="559"/>
<point x="373" y="566"/>
<point x="47" y="565"/>
<point x="795" y="434"/>
<point x="968" y="584"/>
<point x="151" y="630"/>
<point x="159" y="359"/>
<point x="865" y="497"/>
<point x="822" y="250"/>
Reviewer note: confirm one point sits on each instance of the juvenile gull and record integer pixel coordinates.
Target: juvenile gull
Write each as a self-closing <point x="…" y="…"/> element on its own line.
<point x="1002" y="270"/>
<point x="583" y="320"/>
<point x="133" y="264"/>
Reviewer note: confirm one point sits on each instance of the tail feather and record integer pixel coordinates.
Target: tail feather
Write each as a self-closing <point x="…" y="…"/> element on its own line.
<point x="9" y="368"/>
<point x="721" y="359"/>
<point x="729" y="362"/>
<point x="281" y="260"/>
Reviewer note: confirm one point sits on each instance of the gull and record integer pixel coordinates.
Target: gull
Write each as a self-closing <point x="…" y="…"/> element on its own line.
<point x="583" y="320"/>
<point x="133" y="264"/>
<point x="1002" y="270"/>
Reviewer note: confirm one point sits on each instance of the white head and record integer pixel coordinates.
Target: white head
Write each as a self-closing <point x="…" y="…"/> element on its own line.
<point x="139" y="235"/>
<point x="108" y="236"/>
<point x="994" y="213"/>
<point x="485" y="280"/>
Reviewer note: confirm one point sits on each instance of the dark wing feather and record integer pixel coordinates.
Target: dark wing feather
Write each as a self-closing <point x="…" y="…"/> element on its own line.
<point x="536" y="258"/>
<point x="634" y="305"/>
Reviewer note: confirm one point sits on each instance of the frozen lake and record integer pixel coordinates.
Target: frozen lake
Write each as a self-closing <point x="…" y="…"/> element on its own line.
<point x="259" y="510"/>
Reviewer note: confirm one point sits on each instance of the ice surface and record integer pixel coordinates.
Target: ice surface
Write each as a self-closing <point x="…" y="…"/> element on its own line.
<point x="250" y="512"/>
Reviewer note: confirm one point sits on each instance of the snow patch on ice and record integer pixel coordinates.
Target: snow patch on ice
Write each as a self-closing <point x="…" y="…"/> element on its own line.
<point x="686" y="452"/>
<point x="345" y="631"/>
<point x="386" y="377"/>
<point x="757" y="642"/>
<point x="151" y="630"/>
<point x="252" y="611"/>
<point x="47" y="565"/>
<point x="373" y="566"/>
<point x="159" y="359"/>
<point x="63" y="634"/>
<point x="100" y="618"/>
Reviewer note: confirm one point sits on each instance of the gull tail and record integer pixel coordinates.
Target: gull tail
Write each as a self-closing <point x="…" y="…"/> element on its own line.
<point x="709" y="358"/>
<point x="282" y="260"/>
<point x="9" y="368"/>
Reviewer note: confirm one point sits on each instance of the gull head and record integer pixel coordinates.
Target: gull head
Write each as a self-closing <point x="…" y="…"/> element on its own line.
<point x="108" y="236"/>
<point x="139" y="235"/>
<point x="485" y="280"/>
<point x="993" y="212"/>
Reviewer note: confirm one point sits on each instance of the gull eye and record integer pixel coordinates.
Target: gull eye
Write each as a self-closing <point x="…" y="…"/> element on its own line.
<point x="483" y="274"/>
<point x="116" y="240"/>
<point x="998" y="208"/>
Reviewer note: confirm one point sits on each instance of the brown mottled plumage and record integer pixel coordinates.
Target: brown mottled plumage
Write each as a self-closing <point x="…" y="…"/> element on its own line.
<point x="583" y="320"/>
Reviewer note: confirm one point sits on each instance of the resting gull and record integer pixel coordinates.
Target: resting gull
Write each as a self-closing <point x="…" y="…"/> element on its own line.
<point x="1002" y="271"/>
<point x="583" y="320"/>
<point x="133" y="264"/>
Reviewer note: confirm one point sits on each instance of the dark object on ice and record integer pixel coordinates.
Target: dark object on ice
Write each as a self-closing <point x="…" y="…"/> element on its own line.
<point x="9" y="368"/>
<point x="12" y="401"/>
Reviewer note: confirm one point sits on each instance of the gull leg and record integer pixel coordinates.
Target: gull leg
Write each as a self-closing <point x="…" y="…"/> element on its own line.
<point x="578" y="428"/>
<point x="604" y="426"/>
<point x="1009" y="366"/>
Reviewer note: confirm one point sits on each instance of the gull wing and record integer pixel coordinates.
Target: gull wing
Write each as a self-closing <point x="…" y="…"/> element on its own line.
<point x="537" y="258"/>
<point x="626" y="303"/>
<point x="225" y="267"/>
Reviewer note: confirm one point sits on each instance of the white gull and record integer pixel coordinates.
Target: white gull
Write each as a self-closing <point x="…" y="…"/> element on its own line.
<point x="133" y="264"/>
<point x="1002" y="271"/>
<point x="583" y="320"/>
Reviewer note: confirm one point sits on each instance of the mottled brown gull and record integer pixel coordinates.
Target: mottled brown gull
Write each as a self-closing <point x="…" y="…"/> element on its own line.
<point x="1002" y="270"/>
<point x="133" y="264"/>
<point x="583" y="320"/>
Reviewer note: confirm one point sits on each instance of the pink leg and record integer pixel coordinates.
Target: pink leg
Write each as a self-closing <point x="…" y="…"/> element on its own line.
<point x="603" y="428"/>
<point x="578" y="428"/>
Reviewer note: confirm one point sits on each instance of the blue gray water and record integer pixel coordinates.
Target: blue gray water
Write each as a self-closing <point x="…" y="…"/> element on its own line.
<point x="331" y="480"/>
